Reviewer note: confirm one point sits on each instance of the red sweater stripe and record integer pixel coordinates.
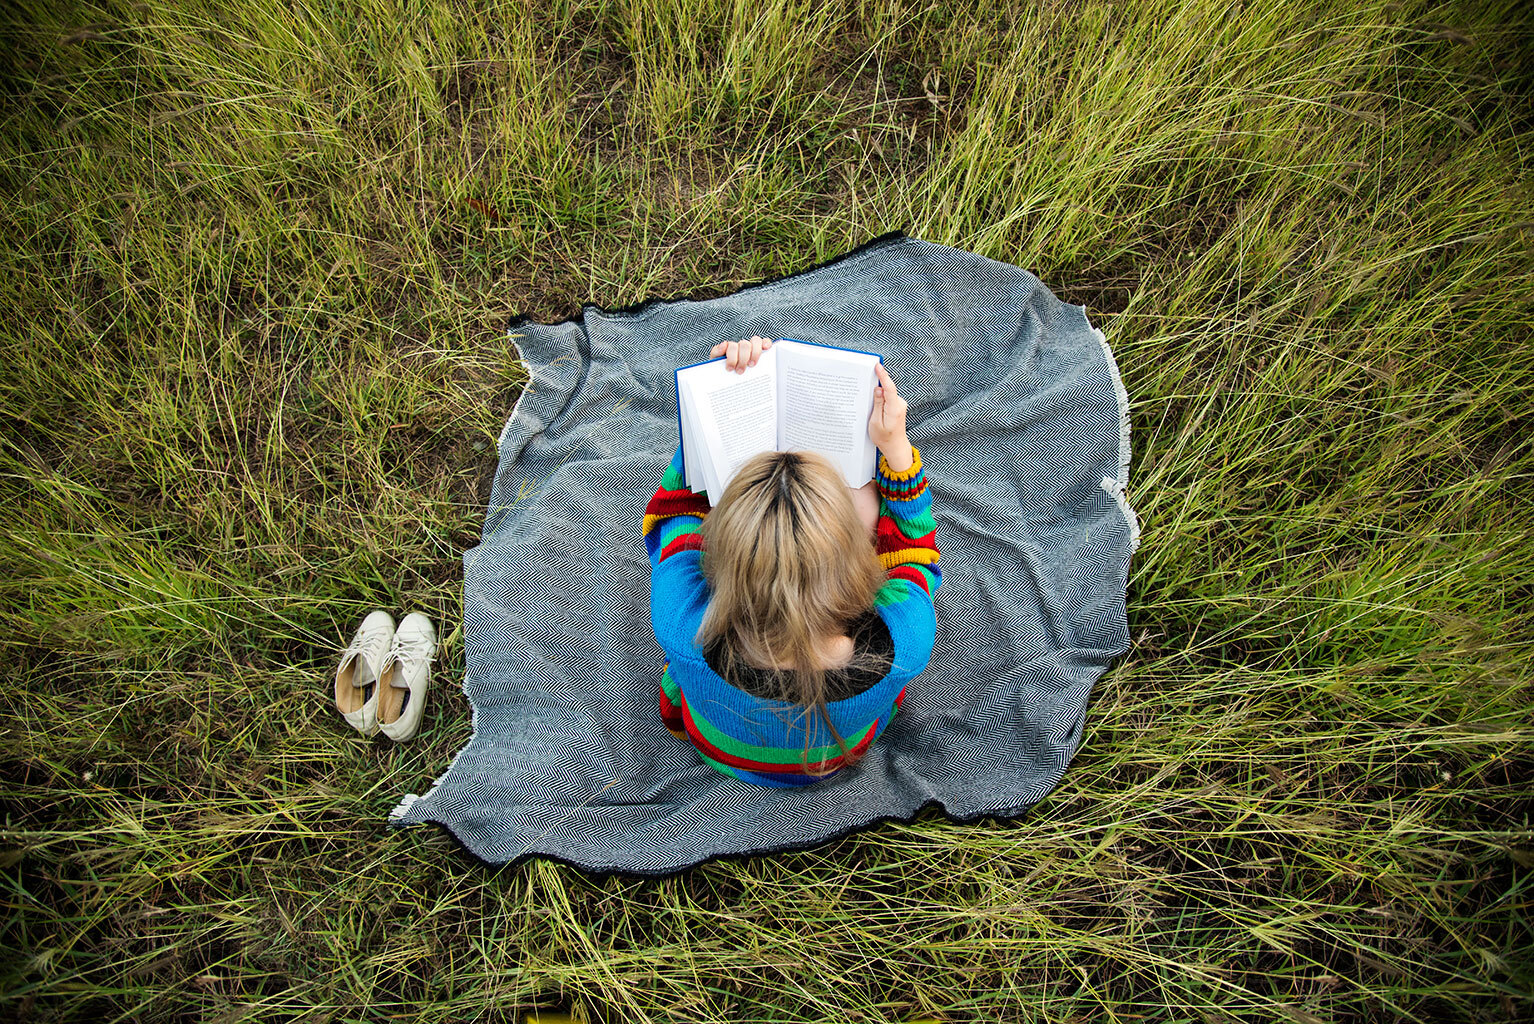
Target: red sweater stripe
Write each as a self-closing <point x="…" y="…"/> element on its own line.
<point x="906" y="572"/>
<point x="670" y="714"/>
<point x="684" y="542"/>
<point x="891" y="539"/>
<point x="677" y="503"/>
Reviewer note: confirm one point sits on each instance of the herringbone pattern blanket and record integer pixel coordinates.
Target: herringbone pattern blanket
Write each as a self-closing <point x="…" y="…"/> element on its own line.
<point x="1022" y="421"/>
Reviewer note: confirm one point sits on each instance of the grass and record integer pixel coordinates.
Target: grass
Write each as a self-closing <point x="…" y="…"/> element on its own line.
<point x="257" y="263"/>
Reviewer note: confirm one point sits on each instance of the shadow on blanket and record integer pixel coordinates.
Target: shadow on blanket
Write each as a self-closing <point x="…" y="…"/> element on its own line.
<point x="1022" y="421"/>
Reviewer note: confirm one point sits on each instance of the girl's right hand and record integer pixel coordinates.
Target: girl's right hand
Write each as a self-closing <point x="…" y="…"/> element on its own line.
<point x="887" y="424"/>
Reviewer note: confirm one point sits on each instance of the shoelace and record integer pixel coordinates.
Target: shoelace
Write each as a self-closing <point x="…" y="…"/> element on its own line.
<point x="412" y="648"/>
<point x="357" y="646"/>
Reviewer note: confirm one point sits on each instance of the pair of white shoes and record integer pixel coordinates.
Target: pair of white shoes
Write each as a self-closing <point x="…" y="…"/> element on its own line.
<point x="381" y="684"/>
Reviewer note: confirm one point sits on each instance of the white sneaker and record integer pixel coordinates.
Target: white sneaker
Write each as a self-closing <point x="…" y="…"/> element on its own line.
<point x="402" y="682"/>
<point x="357" y="676"/>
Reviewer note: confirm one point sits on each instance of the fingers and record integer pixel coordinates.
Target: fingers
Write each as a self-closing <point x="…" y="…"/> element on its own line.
<point x="886" y="392"/>
<point x="886" y="425"/>
<point x="740" y="355"/>
<point x="886" y="397"/>
<point x="750" y="352"/>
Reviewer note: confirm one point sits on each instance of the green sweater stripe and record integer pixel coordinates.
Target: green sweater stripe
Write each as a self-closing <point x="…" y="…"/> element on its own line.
<point x="893" y="592"/>
<point x="914" y="527"/>
<point x="673" y="528"/>
<point x="773" y="755"/>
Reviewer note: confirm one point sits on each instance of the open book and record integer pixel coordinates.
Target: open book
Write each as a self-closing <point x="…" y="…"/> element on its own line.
<point x="798" y="397"/>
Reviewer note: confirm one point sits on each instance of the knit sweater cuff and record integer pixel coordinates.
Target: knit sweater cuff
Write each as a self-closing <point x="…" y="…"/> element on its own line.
<point x="901" y="478"/>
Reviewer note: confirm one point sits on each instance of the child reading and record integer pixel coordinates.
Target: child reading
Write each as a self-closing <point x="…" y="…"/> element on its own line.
<point x="789" y="628"/>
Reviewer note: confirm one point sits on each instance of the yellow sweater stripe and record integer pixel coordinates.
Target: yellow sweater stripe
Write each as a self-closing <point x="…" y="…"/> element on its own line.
<point x="905" y="556"/>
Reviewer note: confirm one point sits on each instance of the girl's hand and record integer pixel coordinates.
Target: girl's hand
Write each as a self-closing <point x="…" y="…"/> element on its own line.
<point x="740" y="354"/>
<point x="887" y="424"/>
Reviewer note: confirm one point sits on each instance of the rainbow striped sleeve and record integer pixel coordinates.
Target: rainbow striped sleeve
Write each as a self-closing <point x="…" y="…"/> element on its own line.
<point x="671" y="703"/>
<point x="907" y="534"/>
<point x="672" y="518"/>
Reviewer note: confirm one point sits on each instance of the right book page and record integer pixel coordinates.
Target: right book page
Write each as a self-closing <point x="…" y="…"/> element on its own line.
<point x="825" y="396"/>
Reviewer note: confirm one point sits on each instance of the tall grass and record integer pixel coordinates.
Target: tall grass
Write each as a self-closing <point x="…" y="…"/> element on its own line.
<point x="257" y="263"/>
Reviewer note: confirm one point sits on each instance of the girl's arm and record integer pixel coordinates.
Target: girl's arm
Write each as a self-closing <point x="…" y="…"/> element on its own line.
<point x="674" y="514"/>
<point x="671" y="523"/>
<point x="673" y="517"/>
<point x="906" y="536"/>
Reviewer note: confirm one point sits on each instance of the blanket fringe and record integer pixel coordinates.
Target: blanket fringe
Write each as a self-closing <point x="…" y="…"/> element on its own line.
<point x="527" y="389"/>
<point x="1117" y="488"/>
<point x="397" y="815"/>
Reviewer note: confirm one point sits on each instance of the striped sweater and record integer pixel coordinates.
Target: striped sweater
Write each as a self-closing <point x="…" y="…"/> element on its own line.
<point x="753" y="738"/>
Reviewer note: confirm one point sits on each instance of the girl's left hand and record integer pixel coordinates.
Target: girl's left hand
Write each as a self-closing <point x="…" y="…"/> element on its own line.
<point x="738" y="355"/>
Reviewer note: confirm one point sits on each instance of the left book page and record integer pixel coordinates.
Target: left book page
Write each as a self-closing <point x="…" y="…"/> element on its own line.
<point x="725" y="418"/>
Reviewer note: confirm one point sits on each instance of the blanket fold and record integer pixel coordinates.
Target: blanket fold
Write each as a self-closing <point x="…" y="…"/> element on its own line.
<point x="1022" y="419"/>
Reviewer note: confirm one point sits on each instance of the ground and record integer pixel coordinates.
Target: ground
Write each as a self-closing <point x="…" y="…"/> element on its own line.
<point x="259" y="260"/>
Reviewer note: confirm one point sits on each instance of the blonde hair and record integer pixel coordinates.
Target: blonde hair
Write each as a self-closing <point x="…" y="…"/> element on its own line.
<point x="790" y="564"/>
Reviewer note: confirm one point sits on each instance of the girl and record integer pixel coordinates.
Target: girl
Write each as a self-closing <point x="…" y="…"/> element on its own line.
<point x="790" y="626"/>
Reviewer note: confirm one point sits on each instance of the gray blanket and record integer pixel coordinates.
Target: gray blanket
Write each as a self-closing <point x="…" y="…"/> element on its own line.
<point x="1022" y="421"/>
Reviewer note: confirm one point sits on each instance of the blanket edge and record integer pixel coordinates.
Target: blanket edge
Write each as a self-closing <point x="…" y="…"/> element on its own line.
<point x="1119" y="487"/>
